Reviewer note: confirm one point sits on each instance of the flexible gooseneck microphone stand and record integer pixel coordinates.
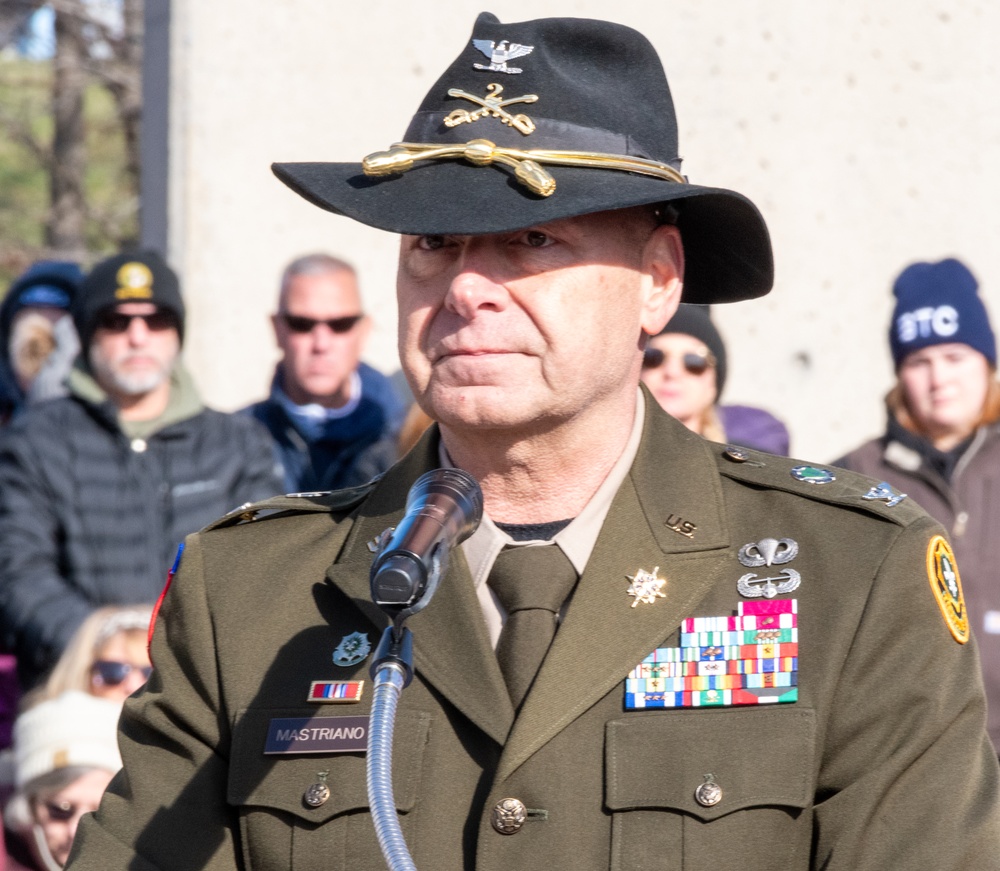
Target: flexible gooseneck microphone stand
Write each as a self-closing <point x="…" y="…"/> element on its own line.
<point x="443" y="508"/>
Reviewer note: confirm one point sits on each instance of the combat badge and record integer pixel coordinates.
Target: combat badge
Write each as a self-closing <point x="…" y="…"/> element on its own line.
<point x="768" y="552"/>
<point x="942" y="572"/>
<point x="352" y="649"/>
<point x="646" y="587"/>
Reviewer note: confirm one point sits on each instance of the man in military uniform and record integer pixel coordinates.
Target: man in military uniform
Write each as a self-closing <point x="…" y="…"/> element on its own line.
<point x="756" y="663"/>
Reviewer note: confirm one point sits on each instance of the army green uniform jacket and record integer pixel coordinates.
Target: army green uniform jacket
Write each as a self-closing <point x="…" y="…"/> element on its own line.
<point x="882" y="762"/>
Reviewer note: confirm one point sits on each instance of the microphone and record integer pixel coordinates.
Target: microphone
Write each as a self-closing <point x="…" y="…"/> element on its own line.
<point x="443" y="509"/>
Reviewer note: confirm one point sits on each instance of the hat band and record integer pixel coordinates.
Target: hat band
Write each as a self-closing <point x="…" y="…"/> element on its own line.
<point x="526" y="163"/>
<point x="548" y="133"/>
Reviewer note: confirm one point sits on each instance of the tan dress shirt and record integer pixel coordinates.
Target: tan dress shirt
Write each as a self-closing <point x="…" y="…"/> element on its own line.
<point x="576" y="540"/>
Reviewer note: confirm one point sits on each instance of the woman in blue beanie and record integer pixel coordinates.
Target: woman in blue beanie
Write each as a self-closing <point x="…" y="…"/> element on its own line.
<point x="942" y="442"/>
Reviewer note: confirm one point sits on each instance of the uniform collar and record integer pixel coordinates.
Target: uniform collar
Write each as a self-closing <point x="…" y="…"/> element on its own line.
<point x="578" y="538"/>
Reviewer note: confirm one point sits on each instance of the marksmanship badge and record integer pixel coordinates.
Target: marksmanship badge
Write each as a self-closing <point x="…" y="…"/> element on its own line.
<point x="942" y="572"/>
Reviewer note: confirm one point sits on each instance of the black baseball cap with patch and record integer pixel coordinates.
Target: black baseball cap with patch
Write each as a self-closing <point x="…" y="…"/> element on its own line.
<point x="539" y="121"/>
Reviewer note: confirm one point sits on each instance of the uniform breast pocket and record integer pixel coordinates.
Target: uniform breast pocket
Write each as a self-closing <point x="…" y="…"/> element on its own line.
<point x="280" y="829"/>
<point x="711" y="789"/>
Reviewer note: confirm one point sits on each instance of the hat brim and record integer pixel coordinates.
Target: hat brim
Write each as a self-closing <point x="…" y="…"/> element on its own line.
<point x="726" y="243"/>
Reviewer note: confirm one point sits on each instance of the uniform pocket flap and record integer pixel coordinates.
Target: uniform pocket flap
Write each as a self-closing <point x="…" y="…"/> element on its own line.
<point x="755" y="756"/>
<point x="281" y="781"/>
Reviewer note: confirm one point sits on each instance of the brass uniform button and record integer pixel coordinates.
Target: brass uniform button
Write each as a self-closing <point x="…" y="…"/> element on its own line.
<point x="316" y="795"/>
<point x="737" y="455"/>
<point x="508" y="816"/>
<point x="709" y="793"/>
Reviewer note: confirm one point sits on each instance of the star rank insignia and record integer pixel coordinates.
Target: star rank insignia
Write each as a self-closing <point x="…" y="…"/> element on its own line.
<point x="646" y="587"/>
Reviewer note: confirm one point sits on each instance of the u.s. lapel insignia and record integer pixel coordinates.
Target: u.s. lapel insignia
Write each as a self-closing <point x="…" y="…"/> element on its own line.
<point x="335" y="692"/>
<point x="884" y="493"/>
<point x="492" y="106"/>
<point x="499" y="54"/>
<point x="680" y="525"/>
<point x="768" y="552"/>
<point x="353" y="648"/>
<point x="646" y="587"/>
<point x="942" y="572"/>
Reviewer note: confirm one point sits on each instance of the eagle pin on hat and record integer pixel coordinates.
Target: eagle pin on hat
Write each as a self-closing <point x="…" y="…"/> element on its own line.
<point x="539" y="121"/>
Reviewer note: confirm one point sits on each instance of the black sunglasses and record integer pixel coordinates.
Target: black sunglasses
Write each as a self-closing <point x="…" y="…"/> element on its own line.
<point x="696" y="364"/>
<point x="302" y="324"/>
<point x="112" y="673"/>
<point x="58" y="811"/>
<point x="119" y="322"/>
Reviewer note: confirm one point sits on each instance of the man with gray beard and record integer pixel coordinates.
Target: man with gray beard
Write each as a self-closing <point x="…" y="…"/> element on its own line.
<point x="98" y="489"/>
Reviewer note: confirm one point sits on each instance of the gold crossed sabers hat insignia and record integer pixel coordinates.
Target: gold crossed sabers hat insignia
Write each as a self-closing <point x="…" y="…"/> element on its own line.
<point x="493" y="106"/>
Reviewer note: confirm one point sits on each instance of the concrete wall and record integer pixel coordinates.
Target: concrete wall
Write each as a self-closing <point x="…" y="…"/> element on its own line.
<point x="866" y="133"/>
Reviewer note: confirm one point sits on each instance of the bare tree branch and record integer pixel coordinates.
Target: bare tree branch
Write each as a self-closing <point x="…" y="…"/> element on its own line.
<point x="20" y="132"/>
<point x="91" y="49"/>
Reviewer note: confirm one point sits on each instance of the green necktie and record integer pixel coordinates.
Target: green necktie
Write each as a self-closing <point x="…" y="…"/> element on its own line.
<point x="532" y="583"/>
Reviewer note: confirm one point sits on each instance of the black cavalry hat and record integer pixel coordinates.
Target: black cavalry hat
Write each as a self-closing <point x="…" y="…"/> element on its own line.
<point x="539" y="121"/>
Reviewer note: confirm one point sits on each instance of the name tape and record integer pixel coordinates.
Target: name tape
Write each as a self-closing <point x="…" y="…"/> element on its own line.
<point x="316" y="735"/>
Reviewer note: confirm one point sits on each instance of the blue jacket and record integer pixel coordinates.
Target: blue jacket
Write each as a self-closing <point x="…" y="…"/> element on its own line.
<point x="352" y="450"/>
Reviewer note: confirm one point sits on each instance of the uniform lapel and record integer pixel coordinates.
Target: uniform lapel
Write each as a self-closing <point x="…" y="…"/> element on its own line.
<point x="603" y="637"/>
<point x="452" y="648"/>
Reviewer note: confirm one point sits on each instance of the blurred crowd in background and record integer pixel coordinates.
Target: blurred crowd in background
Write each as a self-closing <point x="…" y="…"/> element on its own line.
<point x="108" y="458"/>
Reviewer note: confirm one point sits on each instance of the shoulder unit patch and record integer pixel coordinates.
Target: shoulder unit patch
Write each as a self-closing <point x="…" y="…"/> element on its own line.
<point x="942" y="572"/>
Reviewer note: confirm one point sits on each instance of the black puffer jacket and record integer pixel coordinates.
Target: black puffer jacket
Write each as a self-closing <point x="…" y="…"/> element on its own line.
<point x="90" y="517"/>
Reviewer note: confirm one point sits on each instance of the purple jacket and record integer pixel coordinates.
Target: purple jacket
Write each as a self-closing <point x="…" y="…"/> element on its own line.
<point x="754" y="428"/>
